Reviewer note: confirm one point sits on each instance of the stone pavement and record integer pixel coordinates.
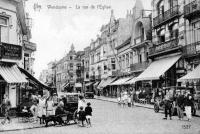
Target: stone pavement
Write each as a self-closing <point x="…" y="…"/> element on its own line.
<point x="115" y="101"/>
<point x="18" y="125"/>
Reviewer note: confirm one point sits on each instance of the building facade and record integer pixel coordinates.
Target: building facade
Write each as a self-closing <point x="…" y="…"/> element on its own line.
<point x="15" y="33"/>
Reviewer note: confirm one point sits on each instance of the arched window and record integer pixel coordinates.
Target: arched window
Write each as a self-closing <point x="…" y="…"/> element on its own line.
<point x="174" y="31"/>
<point x="161" y="36"/>
<point x="173" y="3"/>
<point x="160" y="7"/>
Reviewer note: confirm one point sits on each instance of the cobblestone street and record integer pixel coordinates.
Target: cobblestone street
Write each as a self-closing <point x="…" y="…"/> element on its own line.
<point x="109" y="118"/>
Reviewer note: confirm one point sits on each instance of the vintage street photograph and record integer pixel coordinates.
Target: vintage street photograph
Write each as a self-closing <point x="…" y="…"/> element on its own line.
<point x="100" y="66"/>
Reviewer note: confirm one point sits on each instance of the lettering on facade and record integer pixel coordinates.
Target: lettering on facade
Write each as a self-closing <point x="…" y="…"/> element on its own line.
<point x="10" y="51"/>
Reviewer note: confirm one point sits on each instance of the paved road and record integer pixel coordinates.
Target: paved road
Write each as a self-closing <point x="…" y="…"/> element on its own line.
<point x="108" y="118"/>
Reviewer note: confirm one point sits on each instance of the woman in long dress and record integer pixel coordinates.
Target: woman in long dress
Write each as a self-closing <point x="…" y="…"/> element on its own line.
<point x="41" y="108"/>
<point x="81" y="103"/>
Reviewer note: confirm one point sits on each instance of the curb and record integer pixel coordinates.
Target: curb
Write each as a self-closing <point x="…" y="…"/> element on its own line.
<point x="21" y="129"/>
<point x="116" y="102"/>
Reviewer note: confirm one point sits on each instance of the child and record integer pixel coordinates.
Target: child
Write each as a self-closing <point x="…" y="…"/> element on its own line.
<point x="119" y="101"/>
<point x="25" y="109"/>
<point x="129" y="101"/>
<point x="88" y="113"/>
<point x="81" y="115"/>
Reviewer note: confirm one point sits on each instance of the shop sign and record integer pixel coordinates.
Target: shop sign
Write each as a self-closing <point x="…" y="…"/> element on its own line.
<point x="180" y="71"/>
<point x="10" y="51"/>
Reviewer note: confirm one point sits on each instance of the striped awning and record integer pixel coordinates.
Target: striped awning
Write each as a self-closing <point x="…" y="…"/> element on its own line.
<point x="12" y="75"/>
<point x="120" y="81"/>
<point x="78" y="85"/>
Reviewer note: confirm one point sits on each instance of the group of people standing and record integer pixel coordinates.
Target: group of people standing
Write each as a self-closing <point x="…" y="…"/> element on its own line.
<point x="44" y="106"/>
<point x="183" y="103"/>
<point x="126" y="98"/>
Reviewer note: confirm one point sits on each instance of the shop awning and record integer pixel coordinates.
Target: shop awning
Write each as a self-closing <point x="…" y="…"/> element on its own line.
<point x="131" y="81"/>
<point x="65" y="85"/>
<point x="120" y="81"/>
<point x="88" y="84"/>
<point x="96" y="83"/>
<point x="158" y="68"/>
<point x="194" y="75"/>
<point x="31" y="77"/>
<point x="101" y="83"/>
<point x="78" y="85"/>
<point x="108" y="81"/>
<point x="11" y="74"/>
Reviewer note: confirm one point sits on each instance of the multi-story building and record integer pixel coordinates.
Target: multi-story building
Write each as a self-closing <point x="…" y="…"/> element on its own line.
<point x="86" y="64"/>
<point x="50" y="77"/>
<point x="69" y="71"/>
<point x="28" y="47"/>
<point x="43" y="76"/>
<point x="13" y="31"/>
<point x="168" y="39"/>
<point x="191" y="50"/>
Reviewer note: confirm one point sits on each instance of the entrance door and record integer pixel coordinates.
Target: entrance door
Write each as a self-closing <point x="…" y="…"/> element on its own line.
<point x="2" y="92"/>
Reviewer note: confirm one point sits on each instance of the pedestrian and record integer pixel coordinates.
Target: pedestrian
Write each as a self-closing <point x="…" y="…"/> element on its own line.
<point x="34" y="110"/>
<point x="188" y="107"/>
<point x="180" y="105"/>
<point x="81" y="102"/>
<point x="129" y="101"/>
<point x="88" y="113"/>
<point x="167" y="107"/>
<point x="55" y="102"/>
<point x="41" y="108"/>
<point x="125" y="98"/>
<point x="81" y="116"/>
<point x="6" y="105"/>
<point x="119" y="101"/>
<point x="49" y="103"/>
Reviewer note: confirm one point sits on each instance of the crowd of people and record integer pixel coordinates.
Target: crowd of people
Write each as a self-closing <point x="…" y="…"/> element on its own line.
<point x="49" y="105"/>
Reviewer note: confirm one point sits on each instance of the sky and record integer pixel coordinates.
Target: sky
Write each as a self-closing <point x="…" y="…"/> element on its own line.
<point x="56" y="24"/>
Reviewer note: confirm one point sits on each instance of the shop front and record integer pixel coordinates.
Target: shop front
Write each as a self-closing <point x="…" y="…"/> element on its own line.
<point x="12" y="80"/>
<point x="119" y="85"/>
<point x="160" y="73"/>
<point x="193" y="77"/>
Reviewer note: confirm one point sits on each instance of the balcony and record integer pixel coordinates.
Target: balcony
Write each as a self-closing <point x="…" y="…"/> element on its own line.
<point x="164" y="47"/>
<point x="192" y="49"/>
<point x="139" y="42"/>
<point x="166" y="17"/>
<point x="139" y="39"/>
<point x="192" y="10"/>
<point x="137" y="67"/>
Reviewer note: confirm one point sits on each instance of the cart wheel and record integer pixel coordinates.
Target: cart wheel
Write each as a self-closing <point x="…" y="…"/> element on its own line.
<point x="156" y="108"/>
<point x="75" y="117"/>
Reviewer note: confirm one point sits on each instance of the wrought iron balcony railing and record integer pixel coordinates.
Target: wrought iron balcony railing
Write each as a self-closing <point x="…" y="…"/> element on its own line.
<point x="192" y="49"/>
<point x="139" y="39"/>
<point x="139" y="66"/>
<point x="168" y="15"/>
<point x="164" y="46"/>
<point x="192" y="9"/>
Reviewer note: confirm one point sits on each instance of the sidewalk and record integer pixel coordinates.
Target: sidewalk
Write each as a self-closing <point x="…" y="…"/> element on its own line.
<point x="18" y="125"/>
<point x="114" y="100"/>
